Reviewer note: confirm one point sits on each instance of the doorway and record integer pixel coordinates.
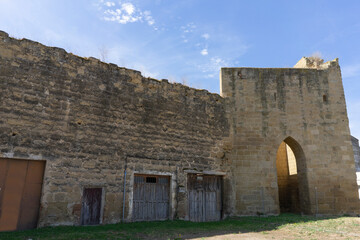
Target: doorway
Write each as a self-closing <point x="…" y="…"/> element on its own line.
<point x="20" y="192"/>
<point x="91" y="206"/>
<point x="288" y="180"/>
<point x="151" y="198"/>
<point x="205" y="197"/>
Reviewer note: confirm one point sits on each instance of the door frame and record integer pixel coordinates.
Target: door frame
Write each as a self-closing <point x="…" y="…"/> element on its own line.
<point x="172" y="191"/>
<point x="102" y="202"/>
<point x="214" y="174"/>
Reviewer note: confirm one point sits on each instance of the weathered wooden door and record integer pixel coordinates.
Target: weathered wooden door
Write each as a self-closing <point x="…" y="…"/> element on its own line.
<point x="91" y="206"/>
<point x="20" y="192"/>
<point x="151" y="198"/>
<point x="205" y="197"/>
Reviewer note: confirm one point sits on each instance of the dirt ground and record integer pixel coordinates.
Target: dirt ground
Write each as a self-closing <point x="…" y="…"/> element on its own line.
<point x="344" y="228"/>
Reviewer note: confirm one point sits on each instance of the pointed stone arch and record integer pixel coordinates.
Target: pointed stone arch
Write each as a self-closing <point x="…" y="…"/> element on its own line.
<point x="292" y="177"/>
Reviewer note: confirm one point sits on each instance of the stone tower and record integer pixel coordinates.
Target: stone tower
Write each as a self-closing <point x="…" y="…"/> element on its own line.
<point x="303" y="107"/>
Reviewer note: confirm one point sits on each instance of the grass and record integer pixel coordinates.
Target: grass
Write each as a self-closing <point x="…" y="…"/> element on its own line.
<point x="296" y="226"/>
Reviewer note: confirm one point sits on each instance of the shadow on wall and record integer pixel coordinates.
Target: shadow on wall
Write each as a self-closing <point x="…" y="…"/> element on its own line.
<point x="287" y="176"/>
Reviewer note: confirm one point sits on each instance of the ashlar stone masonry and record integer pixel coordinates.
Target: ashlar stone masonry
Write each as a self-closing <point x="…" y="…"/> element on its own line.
<point x="92" y="122"/>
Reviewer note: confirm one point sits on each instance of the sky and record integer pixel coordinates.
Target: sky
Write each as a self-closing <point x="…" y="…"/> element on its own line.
<point x="188" y="41"/>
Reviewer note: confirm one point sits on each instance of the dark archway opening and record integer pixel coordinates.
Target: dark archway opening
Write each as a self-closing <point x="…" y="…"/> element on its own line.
<point x="291" y="177"/>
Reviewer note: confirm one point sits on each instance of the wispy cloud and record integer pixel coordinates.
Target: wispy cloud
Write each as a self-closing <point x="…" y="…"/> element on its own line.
<point x="351" y="70"/>
<point x="188" y="28"/>
<point x="109" y="4"/>
<point x="125" y="12"/>
<point x="148" y="18"/>
<point x="204" y="52"/>
<point x="212" y="67"/>
<point x="206" y="36"/>
<point x="186" y="31"/>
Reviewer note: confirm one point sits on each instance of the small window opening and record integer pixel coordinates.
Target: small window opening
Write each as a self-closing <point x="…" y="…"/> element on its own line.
<point x="275" y="96"/>
<point x="325" y="99"/>
<point x="151" y="179"/>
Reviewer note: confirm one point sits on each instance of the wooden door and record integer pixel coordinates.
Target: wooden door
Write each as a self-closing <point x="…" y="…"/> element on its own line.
<point x="205" y="198"/>
<point x="91" y="206"/>
<point x="151" y="198"/>
<point x="20" y="192"/>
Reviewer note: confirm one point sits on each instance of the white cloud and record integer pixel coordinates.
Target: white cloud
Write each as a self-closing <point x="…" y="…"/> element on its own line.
<point x="121" y="16"/>
<point x="351" y="70"/>
<point x="146" y="72"/>
<point x="188" y="28"/>
<point x="128" y="8"/>
<point x="148" y="18"/>
<point x="204" y="52"/>
<point x="206" y="36"/>
<point x="212" y="67"/>
<point x="126" y="13"/>
<point x="109" y="4"/>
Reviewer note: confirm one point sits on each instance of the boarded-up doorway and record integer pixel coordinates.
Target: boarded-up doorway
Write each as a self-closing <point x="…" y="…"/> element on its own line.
<point x="91" y="206"/>
<point x="151" y="198"/>
<point x="205" y="197"/>
<point x="20" y="192"/>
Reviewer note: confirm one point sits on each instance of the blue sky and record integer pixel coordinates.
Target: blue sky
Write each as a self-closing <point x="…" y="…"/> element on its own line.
<point x="188" y="41"/>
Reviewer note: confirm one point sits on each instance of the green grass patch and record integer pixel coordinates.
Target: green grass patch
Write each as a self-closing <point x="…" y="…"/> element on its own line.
<point x="178" y="229"/>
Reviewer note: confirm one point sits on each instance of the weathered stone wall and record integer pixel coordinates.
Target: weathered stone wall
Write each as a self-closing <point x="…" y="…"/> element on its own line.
<point x="282" y="168"/>
<point x="356" y="149"/>
<point x="306" y="109"/>
<point x="90" y="120"/>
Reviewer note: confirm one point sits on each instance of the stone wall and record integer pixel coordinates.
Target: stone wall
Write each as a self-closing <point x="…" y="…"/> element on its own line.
<point x="356" y="149"/>
<point x="90" y="121"/>
<point x="93" y="121"/>
<point x="306" y="109"/>
<point x="282" y="168"/>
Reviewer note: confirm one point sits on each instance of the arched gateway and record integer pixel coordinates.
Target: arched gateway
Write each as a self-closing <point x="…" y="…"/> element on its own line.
<point x="291" y="177"/>
<point x="107" y="139"/>
<point x="265" y="106"/>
